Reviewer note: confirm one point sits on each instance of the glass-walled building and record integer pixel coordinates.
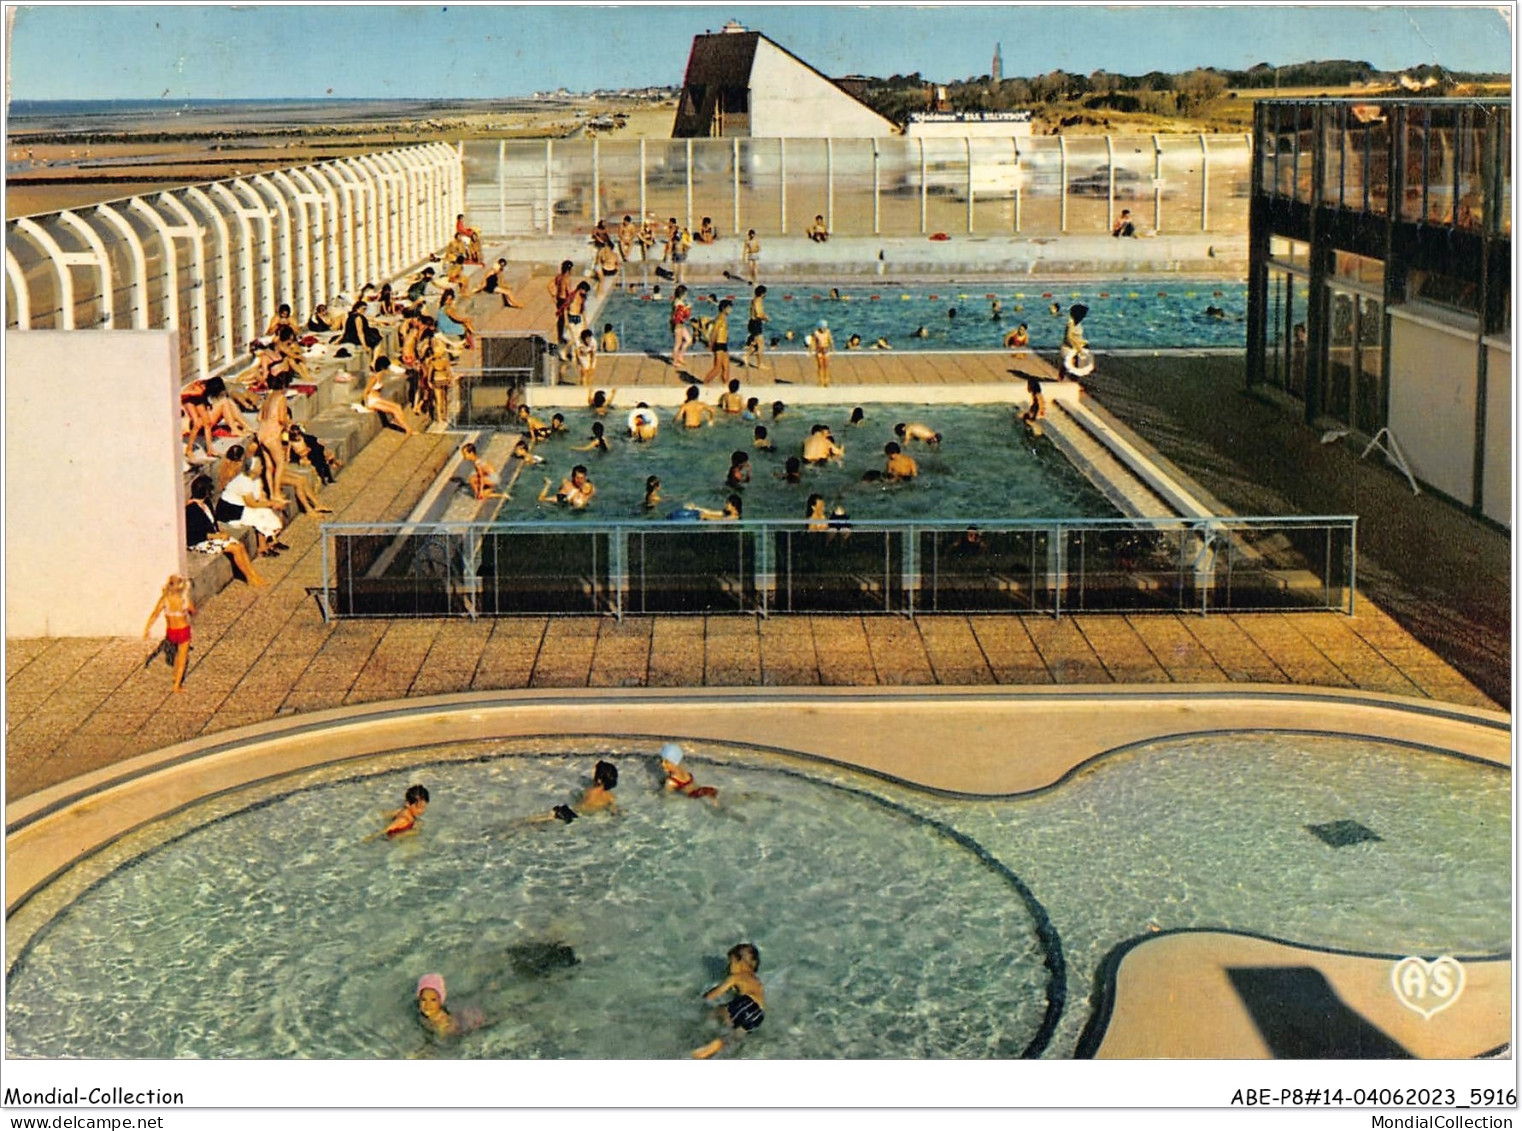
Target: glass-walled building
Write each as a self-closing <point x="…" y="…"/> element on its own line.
<point x="1380" y="237"/>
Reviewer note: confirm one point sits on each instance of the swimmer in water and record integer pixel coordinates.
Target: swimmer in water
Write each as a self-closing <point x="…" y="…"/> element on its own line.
<point x="792" y="470"/>
<point x="652" y="493"/>
<point x="745" y="1011"/>
<point x="853" y="342"/>
<point x="1054" y="310"/>
<point x="920" y="332"/>
<point x="575" y="492"/>
<point x="899" y="465"/>
<point x="597" y="442"/>
<point x="952" y="313"/>
<point x="1018" y="338"/>
<point x="995" y="310"/>
<point x="914" y="430"/>
<point x="778" y="408"/>
<point x="739" y="470"/>
<point x="730" y="401"/>
<point x="814" y="511"/>
<point x="598" y="796"/>
<point x="679" y="779"/>
<point x="405" y="819"/>
<point x="763" y="442"/>
<point x="820" y="446"/>
<point x="857" y="416"/>
<point x="881" y="344"/>
<point x="693" y="411"/>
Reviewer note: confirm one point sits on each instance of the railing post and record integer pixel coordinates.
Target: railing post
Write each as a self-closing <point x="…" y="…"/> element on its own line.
<point x="1204" y="184"/>
<point x="782" y="184"/>
<point x="1062" y="174"/>
<point x="967" y="149"/>
<point x="924" y="190"/>
<point x="734" y="166"/>
<point x="1157" y="184"/>
<point x="877" y="219"/>
<point x="549" y="187"/>
<point x="1019" y="177"/>
<point x="1056" y="569"/>
<point x="597" y="181"/>
<point x="829" y="184"/>
<point x="501" y="188"/>
<point x="1109" y="184"/>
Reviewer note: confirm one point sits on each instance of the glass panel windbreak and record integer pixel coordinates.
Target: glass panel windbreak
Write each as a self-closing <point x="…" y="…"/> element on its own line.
<point x="690" y="569"/>
<point x="995" y="176"/>
<point x="760" y="186"/>
<point x="983" y="569"/>
<point x="1040" y="185"/>
<point x="838" y="571"/>
<point x="1088" y="185"/>
<point x="665" y="187"/>
<point x="527" y="195"/>
<point x="1230" y="182"/>
<point x="806" y="191"/>
<point x="387" y="574"/>
<point x="526" y="571"/>
<point x="1125" y="568"/>
<point x="944" y="184"/>
<point x="899" y="179"/>
<point x="851" y="165"/>
<point x="575" y="210"/>
<point x="1182" y="180"/>
<point x="618" y="177"/>
<point x="1288" y="566"/>
<point x="713" y="183"/>
<point x="1369" y="381"/>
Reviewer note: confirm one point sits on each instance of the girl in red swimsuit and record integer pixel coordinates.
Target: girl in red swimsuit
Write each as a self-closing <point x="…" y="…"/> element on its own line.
<point x="679" y="780"/>
<point x="177" y="607"/>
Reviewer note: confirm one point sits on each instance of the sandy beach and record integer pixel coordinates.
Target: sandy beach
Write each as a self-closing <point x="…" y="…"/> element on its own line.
<point x="55" y="162"/>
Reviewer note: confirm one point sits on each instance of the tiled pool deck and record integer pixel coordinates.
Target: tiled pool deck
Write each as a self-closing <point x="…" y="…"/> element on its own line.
<point x="75" y="705"/>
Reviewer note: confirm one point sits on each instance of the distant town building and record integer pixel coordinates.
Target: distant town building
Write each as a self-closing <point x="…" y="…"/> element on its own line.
<point x="997" y="73"/>
<point x="741" y="84"/>
<point x="969" y="123"/>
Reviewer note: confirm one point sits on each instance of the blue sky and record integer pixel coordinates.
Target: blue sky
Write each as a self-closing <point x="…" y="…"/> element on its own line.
<point x="460" y="51"/>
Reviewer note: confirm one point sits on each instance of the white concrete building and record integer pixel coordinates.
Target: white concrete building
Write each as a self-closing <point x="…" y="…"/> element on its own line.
<point x="741" y="84"/>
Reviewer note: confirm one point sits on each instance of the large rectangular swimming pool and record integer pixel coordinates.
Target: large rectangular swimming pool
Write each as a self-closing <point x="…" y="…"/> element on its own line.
<point x="1152" y="314"/>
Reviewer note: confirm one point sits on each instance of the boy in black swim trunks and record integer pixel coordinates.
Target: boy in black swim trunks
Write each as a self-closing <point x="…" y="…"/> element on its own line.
<point x="746" y="1010"/>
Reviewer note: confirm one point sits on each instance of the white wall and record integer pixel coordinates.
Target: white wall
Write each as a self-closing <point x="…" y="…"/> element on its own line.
<point x="94" y="520"/>
<point x="1497" y="479"/>
<point x="1432" y="401"/>
<point x="788" y="99"/>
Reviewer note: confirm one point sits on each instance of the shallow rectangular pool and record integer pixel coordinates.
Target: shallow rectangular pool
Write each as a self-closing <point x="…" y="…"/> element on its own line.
<point x="986" y="466"/>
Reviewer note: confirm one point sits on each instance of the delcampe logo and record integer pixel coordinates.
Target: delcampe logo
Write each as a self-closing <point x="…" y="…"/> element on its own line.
<point x="1427" y="987"/>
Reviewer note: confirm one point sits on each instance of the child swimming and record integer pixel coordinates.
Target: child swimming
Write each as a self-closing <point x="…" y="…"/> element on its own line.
<point x="679" y="779"/>
<point x="745" y="1011"/>
<point x="431" y="995"/>
<point x="405" y="819"/>
<point x="599" y="796"/>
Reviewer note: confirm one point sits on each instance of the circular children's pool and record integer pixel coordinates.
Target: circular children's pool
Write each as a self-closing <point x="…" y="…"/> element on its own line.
<point x="891" y="922"/>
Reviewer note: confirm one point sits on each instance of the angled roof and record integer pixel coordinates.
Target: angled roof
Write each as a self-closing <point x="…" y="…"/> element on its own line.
<point x="724" y="59"/>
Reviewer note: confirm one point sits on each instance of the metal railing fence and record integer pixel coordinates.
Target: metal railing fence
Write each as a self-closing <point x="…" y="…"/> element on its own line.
<point x="1172" y="183"/>
<point x="759" y="567"/>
